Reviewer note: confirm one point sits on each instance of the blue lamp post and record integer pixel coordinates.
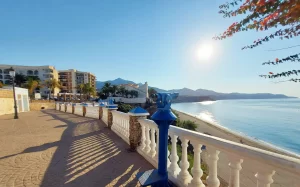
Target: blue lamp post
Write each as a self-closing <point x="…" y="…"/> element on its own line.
<point x="163" y="117"/>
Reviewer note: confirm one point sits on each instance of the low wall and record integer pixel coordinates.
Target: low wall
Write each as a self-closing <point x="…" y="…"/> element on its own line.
<point x="41" y="105"/>
<point x="6" y="102"/>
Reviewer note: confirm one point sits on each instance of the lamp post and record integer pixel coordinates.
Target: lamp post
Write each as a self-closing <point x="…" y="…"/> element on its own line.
<point x="12" y="73"/>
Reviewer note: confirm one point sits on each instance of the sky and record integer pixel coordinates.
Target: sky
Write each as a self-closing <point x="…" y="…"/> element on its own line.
<point x="155" y="41"/>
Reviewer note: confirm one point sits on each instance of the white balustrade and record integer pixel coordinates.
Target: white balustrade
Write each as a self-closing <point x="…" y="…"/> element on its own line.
<point x="265" y="163"/>
<point x="121" y="125"/>
<point x="152" y="144"/>
<point x="196" y="170"/>
<point x="78" y="110"/>
<point x="260" y="164"/>
<point x="149" y="144"/>
<point x="57" y="106"/>
<point x="213" y="157"/>
<point x="184" y="175"/>
<point x="235" y="167"/>
<point x="174" y="168"/>
<point x="69" y="108"/>
<point x="92" y="112"/>
<point x="105" y="115"/>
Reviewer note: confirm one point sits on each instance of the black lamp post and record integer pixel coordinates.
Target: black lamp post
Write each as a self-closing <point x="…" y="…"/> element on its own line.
<point x="12" y="73"/>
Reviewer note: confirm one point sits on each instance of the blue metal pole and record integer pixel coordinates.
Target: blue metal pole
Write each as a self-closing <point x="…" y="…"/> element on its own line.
<point x="163" y="148"/>
<point x="163" y="117"/>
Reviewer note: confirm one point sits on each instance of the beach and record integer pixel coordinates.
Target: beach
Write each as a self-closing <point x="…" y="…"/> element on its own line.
<point x="247" y="175"/>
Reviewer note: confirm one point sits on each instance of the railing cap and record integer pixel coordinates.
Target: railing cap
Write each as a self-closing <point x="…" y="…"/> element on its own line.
<point x="138" y="111"/>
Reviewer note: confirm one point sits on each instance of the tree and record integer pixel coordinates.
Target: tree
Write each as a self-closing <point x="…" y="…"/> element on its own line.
<point x="1" y="84"/>
<point x="31" y="85"/>
<point x="80" y="88"/>
<point x="20" y="79"/>
<point x="263" y="15"/>
<point x="121" y="91"/>
<point x="151" y="92"/>
<point x="134" y="93"/>
<point x="114" y="89"/>
<point x="89" y="90"/>
<point x="52" y="84"/>
<point x="106" y="89"/>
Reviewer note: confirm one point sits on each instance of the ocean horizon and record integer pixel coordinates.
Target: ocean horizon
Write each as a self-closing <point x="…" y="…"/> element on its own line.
<point x="271" y="121"/>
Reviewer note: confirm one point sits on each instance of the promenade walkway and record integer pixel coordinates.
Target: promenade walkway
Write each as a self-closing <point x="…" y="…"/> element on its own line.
<point x="50" y="148"/>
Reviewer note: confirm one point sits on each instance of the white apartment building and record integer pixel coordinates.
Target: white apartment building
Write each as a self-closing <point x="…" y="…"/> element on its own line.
<point x="71" y="78"/>
<point x="43" y="72"/>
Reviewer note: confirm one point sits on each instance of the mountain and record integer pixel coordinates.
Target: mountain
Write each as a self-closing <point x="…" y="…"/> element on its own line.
<point x="118" y="81"/>
<point x="201" y="92"/>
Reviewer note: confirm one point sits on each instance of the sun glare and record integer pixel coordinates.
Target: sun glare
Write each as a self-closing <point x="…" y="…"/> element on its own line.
<point x="205" y="51"/>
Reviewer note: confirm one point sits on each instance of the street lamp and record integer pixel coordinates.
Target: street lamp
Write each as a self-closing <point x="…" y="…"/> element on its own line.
<point x="12" y="73"/>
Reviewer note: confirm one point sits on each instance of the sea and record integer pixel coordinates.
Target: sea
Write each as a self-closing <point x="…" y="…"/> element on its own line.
<point x="273" y="121"/>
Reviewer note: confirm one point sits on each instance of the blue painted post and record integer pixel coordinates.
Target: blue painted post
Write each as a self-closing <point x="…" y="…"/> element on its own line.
<point x="163" y="117"/>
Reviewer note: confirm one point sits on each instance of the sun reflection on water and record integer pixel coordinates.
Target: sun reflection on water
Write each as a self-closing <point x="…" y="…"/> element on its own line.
<point x="207" y="116"/>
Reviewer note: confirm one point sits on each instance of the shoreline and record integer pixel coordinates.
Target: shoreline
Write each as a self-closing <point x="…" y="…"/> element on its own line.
<point x="225" y="133"/>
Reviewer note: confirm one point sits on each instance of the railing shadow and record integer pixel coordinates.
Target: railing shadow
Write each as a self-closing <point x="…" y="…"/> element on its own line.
<point x="89" y="154"/>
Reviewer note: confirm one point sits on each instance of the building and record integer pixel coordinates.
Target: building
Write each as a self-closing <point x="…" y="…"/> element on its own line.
<point x="71" y="78"/>
<point x="43" y="72"/>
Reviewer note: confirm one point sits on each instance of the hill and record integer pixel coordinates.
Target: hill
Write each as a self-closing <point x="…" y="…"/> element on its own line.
<point x="200" y="93"/>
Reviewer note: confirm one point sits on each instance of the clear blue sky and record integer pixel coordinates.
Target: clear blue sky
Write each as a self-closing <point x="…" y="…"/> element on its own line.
<point x="152" y="41"/>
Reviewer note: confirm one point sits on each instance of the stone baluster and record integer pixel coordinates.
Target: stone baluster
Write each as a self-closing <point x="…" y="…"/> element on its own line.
<point x="153" y="144"/>
<point x="184" y="175"/>
<point x="174" y="168"/>
<point x="73" y="108"/>
<point x="157" y="147"/>
<point x="65" y="109"/>
<point x="83" y="111"/>
<point x="264" y="176"/>
<point x="196" y="170"/>
<point x="135" y="128"/>
<point x="147" y="148"/>
<point x="143" y="138"/>
<point x="213" y="157"/>
<point x="100" y="112"/>
<point x="235" y="167"/>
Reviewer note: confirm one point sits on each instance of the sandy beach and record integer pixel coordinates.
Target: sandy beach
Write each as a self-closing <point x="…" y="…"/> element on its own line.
<point x="247" y="175"/>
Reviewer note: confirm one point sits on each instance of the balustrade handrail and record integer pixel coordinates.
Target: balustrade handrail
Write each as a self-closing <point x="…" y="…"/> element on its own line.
<point x="151" y="123"/>
<point x="114" y="112"/>
<point x="244" y="151"/>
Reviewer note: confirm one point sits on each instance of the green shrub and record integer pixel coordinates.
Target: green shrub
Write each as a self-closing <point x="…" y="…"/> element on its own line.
<point x="124" y="108"/>
<point x="190" y="125"/>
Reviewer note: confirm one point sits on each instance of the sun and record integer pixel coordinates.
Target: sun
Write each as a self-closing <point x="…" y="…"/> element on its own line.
<point x="205" y="51"/>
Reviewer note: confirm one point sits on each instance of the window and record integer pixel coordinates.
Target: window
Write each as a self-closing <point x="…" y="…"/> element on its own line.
<point x="7" y="77"/>
<point x="6" y="71"/>
<point x="0" y="70"/>
<point x="1" y="77"/>
<point x="7" y="82"/>
<point x="36" y="72"/>
<point x="29" y="72"/>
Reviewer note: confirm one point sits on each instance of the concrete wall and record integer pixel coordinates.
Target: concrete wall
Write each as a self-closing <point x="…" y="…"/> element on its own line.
<point x="42" y="105"/>
<point x="6" y="102"/>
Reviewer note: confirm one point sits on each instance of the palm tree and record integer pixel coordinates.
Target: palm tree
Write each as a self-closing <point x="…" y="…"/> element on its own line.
<point x="114" y="89"/>
<point x="52" y="84"/>
<point x="20" y="79"/>
<point x="31" y="85"/>
<point x="80" y="88"/>
<point x="89" y="90"/>
<point x="106" y="89"/>
<point x="121" y="91"/>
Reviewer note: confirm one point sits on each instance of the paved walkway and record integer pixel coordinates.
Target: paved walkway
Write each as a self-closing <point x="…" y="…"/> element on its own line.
<point x="51" y="148"/>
